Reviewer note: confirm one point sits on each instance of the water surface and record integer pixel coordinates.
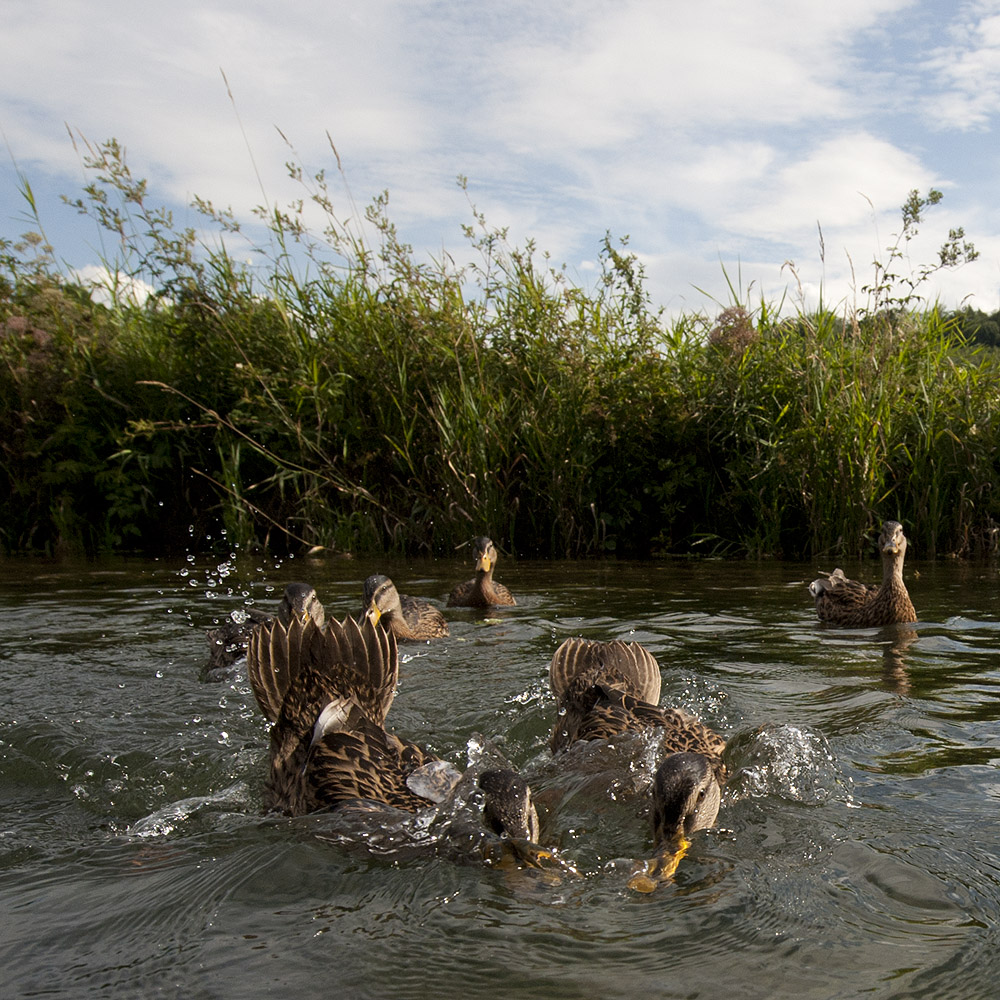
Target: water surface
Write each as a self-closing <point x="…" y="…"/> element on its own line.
<point x="857" y="853"/>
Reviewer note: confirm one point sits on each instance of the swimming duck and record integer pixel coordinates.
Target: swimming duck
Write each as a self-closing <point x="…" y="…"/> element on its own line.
<point x="228" y="641"/>
<point x="841" y="601"/>
<point x="604" y="689"/>
<point x="327" y="692"/>
<point x="481" y="591"/>
<point x="509" y="810"/>
<point x="406" y="617"/>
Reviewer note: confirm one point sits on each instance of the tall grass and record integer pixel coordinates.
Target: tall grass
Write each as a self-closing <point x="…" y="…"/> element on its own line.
<point x="339" y="393"/>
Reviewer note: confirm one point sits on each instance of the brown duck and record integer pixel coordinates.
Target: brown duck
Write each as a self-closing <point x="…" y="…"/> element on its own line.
<point x="482" y="591"/>
<point x="604" y="689"/>
<point x="841" y="601"/>
<point x="227" y="642"/>
<point x="326" y="692"/>
<point x="408" y="618"/>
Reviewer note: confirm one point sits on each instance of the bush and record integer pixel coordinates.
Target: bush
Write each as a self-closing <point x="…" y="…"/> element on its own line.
<point x="342" y="395"/>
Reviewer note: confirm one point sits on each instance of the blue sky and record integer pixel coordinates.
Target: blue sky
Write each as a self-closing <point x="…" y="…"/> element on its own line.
<point x="714" y="135"/>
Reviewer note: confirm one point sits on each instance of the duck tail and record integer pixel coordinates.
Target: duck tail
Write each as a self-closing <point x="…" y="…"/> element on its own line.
<point x="623" y="665"/>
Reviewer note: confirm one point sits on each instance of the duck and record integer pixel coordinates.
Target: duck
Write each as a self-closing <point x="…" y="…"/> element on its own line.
<point x="327" y="692"/>
<point x="605" y="689"/>
<point x="841" y="601"/>
<point x="408" y="618"/>
<point x="227" y="642"/>
<point x="508" y="809"/>
<point x="482" y="591"/>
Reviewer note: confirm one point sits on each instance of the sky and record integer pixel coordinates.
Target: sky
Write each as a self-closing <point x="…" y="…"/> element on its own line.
<point x="725" y="139"/>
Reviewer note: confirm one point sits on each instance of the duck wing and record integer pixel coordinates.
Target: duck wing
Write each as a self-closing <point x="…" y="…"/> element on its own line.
<point x="274" y="659"/>
<point x="363" y="763"/>
<point x="840" y="599"/>
<point x="358" y="663"/>
<point x="422" y="618"/>
<point x="368" y="763"/>
<point x="685" y="733"/>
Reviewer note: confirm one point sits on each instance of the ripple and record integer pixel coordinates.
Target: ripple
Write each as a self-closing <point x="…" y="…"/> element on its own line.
<point x="853" y="854"/>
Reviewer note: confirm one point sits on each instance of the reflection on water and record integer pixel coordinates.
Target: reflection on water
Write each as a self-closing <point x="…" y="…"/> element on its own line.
<point x="897" y="640"/>
<point x="856" y="850"/>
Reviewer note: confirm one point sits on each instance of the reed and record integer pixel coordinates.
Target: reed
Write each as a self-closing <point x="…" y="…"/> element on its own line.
<point x="339" y="393"/>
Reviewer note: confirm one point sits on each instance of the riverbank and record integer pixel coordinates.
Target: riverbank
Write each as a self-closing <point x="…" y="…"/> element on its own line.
<point x="348" y="397"/>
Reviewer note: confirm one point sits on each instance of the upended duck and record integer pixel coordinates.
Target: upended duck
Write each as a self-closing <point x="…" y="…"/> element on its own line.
<point x="841" y="601"/>
<point x="408" y="618"/>
<point x="327" y="692"/>
<point x="482" y="591"/>
<point x="227" y="642"/>
<point x="605" y="689"/>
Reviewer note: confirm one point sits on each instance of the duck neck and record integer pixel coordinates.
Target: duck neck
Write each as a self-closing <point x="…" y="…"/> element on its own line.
<point x="892" y="571"/>
<point x="484" y="581"/>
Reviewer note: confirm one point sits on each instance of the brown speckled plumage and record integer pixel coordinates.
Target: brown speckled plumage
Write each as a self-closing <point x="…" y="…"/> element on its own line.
<point x="605" y="689"/>
<point x="482" y="591"/>
<point x="608" y="688"/>
<point x="327" y="692"/>
<point x="408" y="618"/>
<point x="841" y="601"/>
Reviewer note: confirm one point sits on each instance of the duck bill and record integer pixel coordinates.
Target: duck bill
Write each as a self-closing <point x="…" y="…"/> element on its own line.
<point x="650" y="874"/>
<point x="373" y="613"/>
<point x="484" y="564"/>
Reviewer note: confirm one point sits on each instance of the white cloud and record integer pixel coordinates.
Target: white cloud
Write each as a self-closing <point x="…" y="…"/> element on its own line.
<point x="725" y="129"/>
<point x="108" y="287"/>
<point x="968" y="68"/>
<point x="836" y="184"/>
<point x="620" y="70"/>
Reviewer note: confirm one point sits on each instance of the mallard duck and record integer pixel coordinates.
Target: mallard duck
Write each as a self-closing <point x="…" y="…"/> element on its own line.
<point x="841" y="601"/>
<point x="327" y="692"/>
<point x="509" y="810"/>
<point x="481" y="591"/>
<point x="605" y="689"/>
<point x="227" y="642"/>
<point x="406" y="617"/>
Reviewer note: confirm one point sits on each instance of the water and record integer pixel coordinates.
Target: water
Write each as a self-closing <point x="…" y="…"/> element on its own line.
<point x="857" y="853"/>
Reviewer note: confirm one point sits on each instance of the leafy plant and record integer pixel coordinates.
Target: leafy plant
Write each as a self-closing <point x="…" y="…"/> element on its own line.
<point x="338" y="393"/>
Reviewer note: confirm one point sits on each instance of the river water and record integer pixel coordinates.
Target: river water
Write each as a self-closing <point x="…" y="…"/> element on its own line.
<point x="857" y="851"/>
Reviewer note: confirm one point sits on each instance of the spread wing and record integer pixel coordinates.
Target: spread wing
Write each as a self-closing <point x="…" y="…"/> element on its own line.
<point x="274" y="659"/>
<point x="359" y="662"/>
<point x="625" y="665"/>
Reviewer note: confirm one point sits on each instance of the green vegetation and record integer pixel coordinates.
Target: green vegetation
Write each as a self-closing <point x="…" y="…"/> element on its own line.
<point x="336" y="392"/>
